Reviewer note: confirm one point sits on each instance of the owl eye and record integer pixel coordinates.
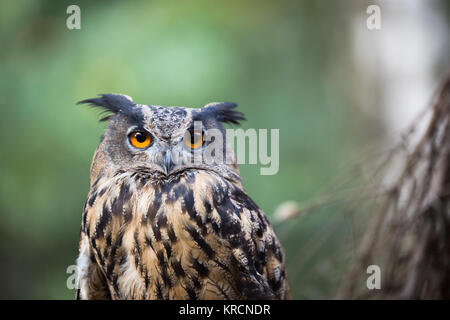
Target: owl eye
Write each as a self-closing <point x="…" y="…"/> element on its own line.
<point x="194" y="139"/>
<point x="139" y="139"/>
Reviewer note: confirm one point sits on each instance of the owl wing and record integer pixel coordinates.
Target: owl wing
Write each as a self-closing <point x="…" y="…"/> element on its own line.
<point x="91" y="282"/>
<point x="257" y="257"/>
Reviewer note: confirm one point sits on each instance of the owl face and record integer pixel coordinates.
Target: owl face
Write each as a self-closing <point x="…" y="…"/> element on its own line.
<point x="166" y="140"/>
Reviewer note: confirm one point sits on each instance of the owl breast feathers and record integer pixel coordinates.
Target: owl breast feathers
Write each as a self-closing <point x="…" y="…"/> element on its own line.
<point x="155" y="228"/>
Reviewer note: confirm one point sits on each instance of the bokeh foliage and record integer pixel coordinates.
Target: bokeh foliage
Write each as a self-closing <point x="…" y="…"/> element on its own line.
<point x="276" y="59"/>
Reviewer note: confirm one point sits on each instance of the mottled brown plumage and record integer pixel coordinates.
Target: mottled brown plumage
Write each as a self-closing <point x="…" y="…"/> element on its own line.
<point x="190" y="232"/>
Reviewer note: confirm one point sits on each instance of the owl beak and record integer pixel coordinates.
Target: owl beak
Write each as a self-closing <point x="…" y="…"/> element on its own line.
<point x="168" y="163"/>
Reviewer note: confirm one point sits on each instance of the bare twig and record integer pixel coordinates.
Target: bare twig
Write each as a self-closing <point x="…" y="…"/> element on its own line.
<point x="409" y="237"/>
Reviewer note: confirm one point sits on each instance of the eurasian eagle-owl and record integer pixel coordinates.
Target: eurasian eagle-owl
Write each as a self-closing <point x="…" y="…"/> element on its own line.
<point x="155" y="228"/>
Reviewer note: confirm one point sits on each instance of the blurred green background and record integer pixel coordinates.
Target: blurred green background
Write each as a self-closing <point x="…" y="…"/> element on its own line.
<point x="283" y="62"/>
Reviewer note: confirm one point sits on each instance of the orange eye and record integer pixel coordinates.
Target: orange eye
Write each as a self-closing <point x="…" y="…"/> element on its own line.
<point x="140" y="139"/>
<point x="194" y="139"/>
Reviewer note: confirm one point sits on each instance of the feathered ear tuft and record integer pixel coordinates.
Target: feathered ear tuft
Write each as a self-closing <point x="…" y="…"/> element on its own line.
<point x="113" y="103"/>
<point x="223" y="112"/>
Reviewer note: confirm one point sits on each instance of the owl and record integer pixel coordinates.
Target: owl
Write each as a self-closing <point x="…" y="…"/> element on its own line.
<point x="157" y="227"/>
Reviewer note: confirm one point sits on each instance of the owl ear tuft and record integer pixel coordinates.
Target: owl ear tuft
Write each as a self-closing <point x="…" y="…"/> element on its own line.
<point x="113" y="103"/>
<point x="223" y="112"/>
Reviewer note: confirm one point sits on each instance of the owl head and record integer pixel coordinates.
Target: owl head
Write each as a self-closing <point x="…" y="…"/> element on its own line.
<point x="165" y="141"/>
